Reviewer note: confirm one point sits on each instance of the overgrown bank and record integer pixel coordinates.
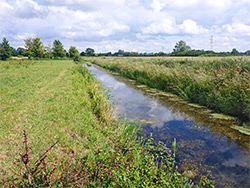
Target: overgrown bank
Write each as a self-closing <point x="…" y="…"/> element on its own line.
<point x="60" y="101"/>
<point x="222" y="85"/>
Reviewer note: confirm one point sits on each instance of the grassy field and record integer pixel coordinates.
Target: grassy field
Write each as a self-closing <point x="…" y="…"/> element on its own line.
<point x="221" y="84"/>
<point x="60" y="101"/>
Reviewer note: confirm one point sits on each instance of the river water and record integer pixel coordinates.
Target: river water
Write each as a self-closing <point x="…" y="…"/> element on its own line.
<point x="205" y="145"/>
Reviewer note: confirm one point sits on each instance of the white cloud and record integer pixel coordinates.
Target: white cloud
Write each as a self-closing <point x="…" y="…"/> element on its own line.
<point x="157" y="5"/>
<point x="86" y="5"/>
<point x="128" y="24"/>
<point x="198" y="4"/>
<point x="191" y="27"/>
<point x="168" y="26"/>
<point x="237" y="28"/>
<point x="24" y="36"/>
<point x="29" y="9"/>
<point x="5" y="9"/>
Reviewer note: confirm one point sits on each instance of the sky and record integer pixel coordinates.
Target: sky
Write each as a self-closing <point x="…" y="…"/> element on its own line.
<point x="130" y="25"/>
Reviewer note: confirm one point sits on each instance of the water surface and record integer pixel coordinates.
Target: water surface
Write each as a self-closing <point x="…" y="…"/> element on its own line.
<point x="205" y="145"/>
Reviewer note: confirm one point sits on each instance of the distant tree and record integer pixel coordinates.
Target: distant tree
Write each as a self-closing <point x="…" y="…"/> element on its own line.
<point x="48" y="52"/>
<point x="127" y="53"/>
<point x="14" y="52"/>
<point x="234" y="52"/>
<point x="58" y="50"/>
<point x="5" y="49"/>
<point x="34" y="48"/>
<point x="67" y="54"/>
<point x="120" y="52"/>
<point x="77" y="58"/>
<point x="109" y="54"/>
<point x="247" y="52"/>
<point x="161" y="54"/>
<point x="90" y="52"/>
<point x="38" y="48"/>
<point x="28" y="48"/>
<point x="20" y="51"/>
<point x="73" y="53"/>
<point x="181" y="46"/>
<point x="82" y="54"/>
<point x="124" y="53"/>
<point x="105" y="54"/>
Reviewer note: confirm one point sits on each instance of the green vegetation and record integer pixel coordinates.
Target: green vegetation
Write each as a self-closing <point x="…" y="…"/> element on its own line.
<point x="58" y="49"/>
<point x="60" y="104"/>
<point x="89" y="52"/>
<point x="73" y="53"/>
<point x="220" y="84"/>
<point x="181" y="47"/>
<point x="34" y="48"/>
<point x="5" y="50"/>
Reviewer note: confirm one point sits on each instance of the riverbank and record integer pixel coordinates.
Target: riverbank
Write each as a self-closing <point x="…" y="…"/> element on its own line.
<point x="221" y="85"/>
<point x="60" y="102"/>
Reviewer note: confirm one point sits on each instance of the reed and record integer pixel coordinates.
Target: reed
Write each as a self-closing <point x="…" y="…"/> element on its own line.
<point x="221" y="84"/>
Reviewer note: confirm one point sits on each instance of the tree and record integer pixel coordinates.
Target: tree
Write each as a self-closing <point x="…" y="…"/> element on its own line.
<point x="13" y="52"/>
<point x="38" y="49"/>
<point x="161" y="54"/>
<point x="48" y="52"/>
<point x="82" y="53"/>
<point x="34" y="47"/>
<point x="5" y="49"/>
<point x="73" y="53"/>
<point x="120" y="52"/>
<point x="90" y="52"/>
<point x="20" y="51"/>
<point x="247" y="52"/>
<point x="235" y="52"/>
<point x="28" y="47"/>
<point x="58" y="50"/>
<point x="181" y="46"/>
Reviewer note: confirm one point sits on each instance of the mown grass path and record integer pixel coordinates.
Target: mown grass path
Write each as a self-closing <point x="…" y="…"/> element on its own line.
<point x="43" y="99"/>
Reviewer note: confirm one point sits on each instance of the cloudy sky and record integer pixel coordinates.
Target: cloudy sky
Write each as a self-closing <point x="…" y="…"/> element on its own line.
<point x="131" y="25"/>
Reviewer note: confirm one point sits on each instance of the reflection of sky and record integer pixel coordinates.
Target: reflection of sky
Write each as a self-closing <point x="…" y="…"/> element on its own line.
<point x="134" y="105"/>
<point x="194" y="142"/>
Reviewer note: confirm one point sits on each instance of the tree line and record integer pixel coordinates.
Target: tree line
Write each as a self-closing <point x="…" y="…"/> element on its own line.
<point x="180" y="49"/>
<point x="34" y="48"/>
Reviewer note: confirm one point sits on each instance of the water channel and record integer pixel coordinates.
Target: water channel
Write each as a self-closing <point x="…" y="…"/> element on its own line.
<point x="205" y="145"/>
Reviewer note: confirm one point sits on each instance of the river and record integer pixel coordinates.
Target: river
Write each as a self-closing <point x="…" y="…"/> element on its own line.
<point x="205" y="145"/>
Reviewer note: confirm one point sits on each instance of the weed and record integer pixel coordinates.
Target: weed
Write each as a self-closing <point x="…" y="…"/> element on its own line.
<point x="148" y="165"/>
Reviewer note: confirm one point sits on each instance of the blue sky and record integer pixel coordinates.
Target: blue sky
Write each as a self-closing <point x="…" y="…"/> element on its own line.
<point x="131" y="25"/>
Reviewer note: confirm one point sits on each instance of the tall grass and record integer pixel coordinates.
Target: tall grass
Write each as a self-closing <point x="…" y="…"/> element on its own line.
<point x="222" y="85"/>
<point x="72" y="138"/>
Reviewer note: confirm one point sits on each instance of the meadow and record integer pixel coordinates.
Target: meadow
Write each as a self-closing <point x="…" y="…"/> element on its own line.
<point x="221" y="84"/>
<point x="58" y="129"/>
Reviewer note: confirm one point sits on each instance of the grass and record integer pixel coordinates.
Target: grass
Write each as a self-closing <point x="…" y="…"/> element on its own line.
<point x="71" y="137"/>
<point x="221" y="84"/>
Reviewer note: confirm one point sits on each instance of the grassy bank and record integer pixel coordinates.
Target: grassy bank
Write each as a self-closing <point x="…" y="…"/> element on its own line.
<point x="60" y="102"/>
<point x="220" y="84"/>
